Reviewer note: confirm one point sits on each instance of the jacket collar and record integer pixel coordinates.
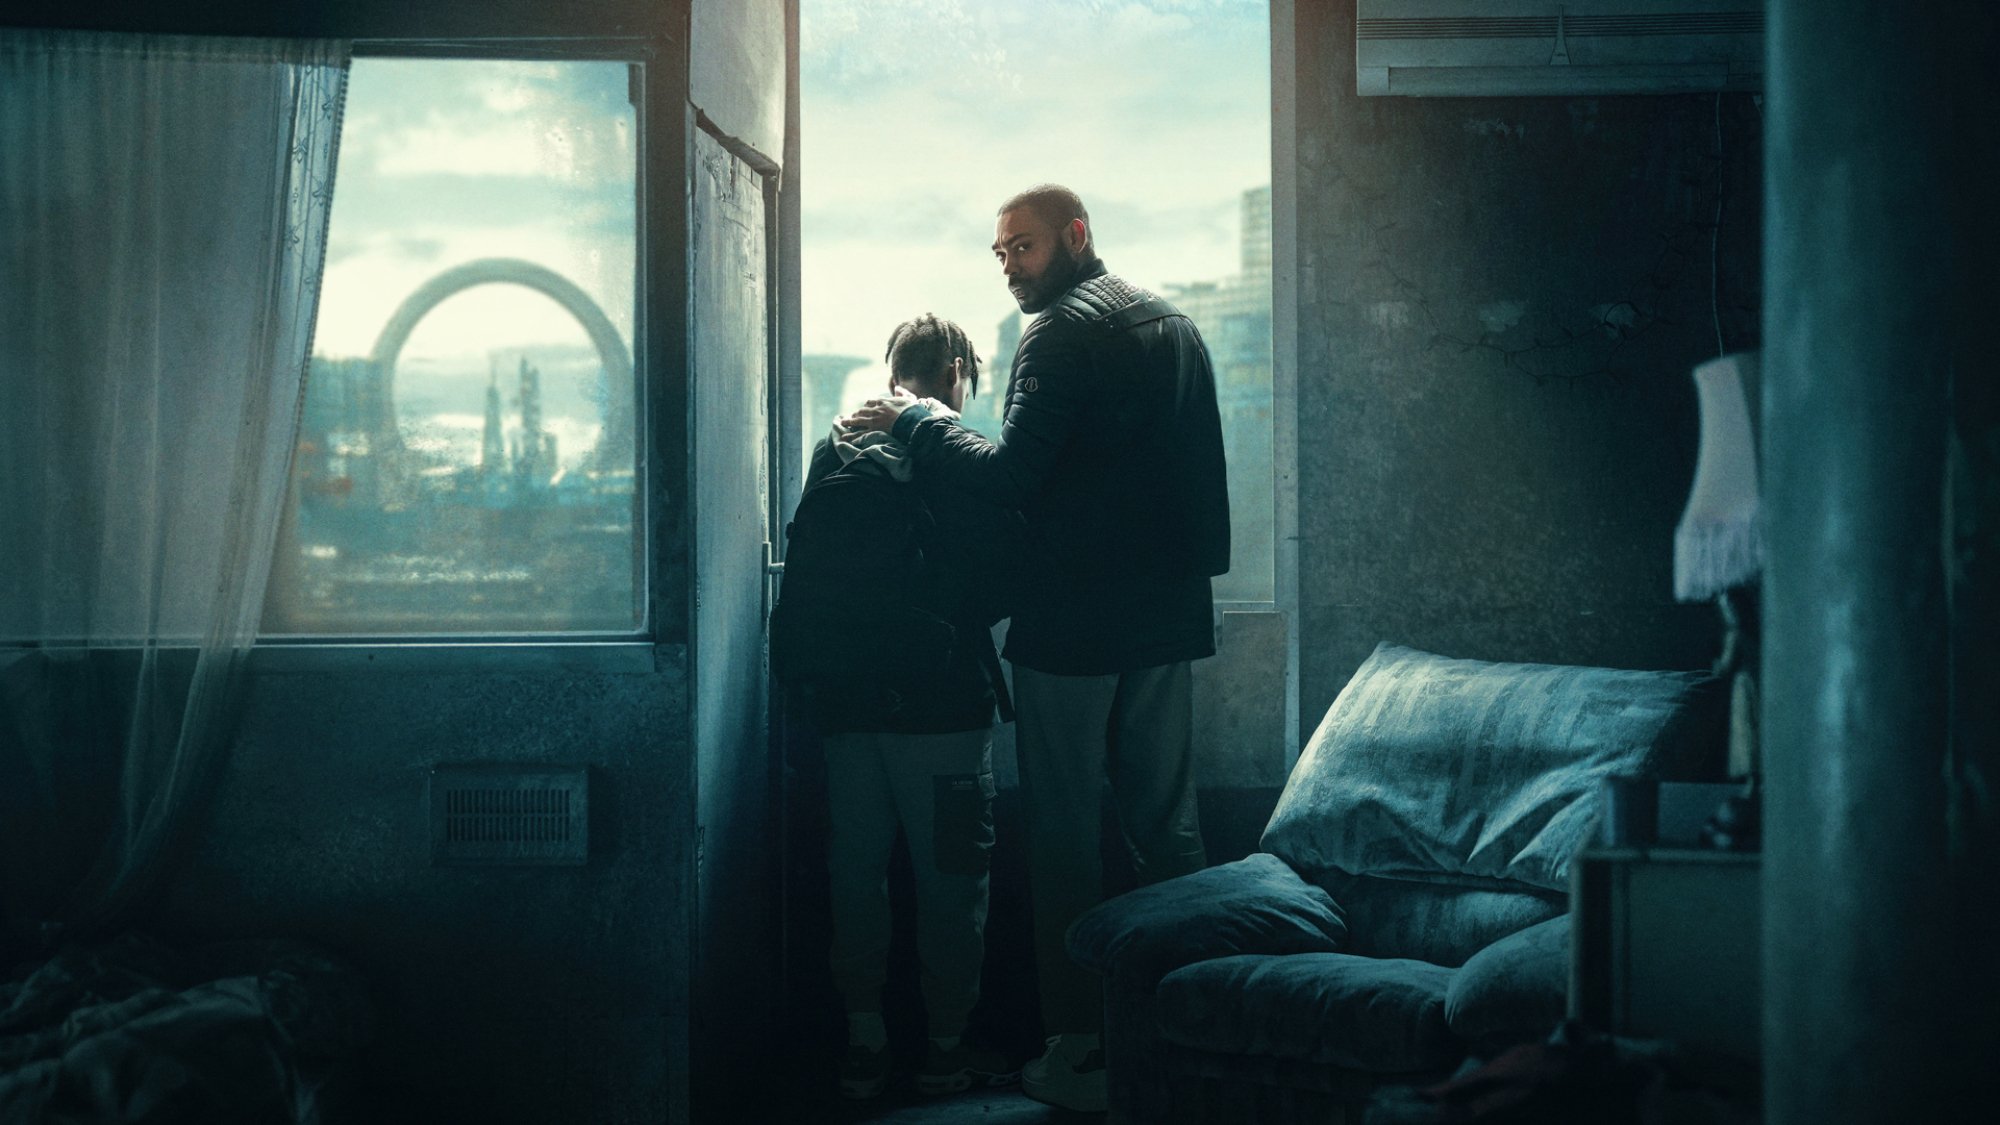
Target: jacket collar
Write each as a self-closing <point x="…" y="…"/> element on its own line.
<point x="1091" y="269"/>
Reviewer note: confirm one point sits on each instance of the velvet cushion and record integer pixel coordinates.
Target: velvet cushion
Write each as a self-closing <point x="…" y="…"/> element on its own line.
<point x="1254" y="905"/>
<point x="1515" y="990"/>
<point x="1432" y="922"/>
<point x="1429" y="768"/>
<point x="1369" y="1013"/>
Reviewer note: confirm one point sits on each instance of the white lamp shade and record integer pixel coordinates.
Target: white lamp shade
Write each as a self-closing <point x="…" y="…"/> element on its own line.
<point x="1720" y="541"/>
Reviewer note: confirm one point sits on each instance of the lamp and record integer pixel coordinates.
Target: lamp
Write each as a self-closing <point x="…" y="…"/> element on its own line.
<point x="1719" y="545"/>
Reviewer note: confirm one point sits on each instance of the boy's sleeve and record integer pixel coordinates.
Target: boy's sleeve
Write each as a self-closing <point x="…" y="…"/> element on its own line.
<point x="1044" y="409"/>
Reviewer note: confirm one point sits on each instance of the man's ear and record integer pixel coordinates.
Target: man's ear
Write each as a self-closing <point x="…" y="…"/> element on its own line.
<point x="957" y="370"/>
<point x="1075" y="235"/>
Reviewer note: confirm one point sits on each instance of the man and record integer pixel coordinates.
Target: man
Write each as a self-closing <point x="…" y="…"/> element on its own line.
<point x="1111" y="448"/>
<point x="905" y="707"/>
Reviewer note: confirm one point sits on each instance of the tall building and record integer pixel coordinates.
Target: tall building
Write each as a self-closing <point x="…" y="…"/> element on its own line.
<point x="1256" y="235"/>
<point x="1010" y="342"/>
<point x="1234" y="313"/>
<point x="617" y="445"/>
<point x="493" y="442"/>
<point x="1234" y="317"/>
<point x="535" y="464"/>
<point x="347" y="438"/>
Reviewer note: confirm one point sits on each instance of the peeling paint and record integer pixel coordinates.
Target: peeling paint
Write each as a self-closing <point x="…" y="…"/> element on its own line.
<point x="1583" y="116"/>
<point x="1498" y="316"/>
<point x="1616" y="319"/>
<point x="1389" y="315"/>
<point x="1494" y="126"/>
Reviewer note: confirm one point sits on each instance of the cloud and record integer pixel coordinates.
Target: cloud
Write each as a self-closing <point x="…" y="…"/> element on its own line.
<point x="570" y="122"/>
<point x="363" y="289"/>
<point x="447" y="161"/>
<point x="920" y="116"/>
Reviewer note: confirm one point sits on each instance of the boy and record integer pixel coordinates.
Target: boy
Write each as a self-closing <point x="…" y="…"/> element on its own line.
<point x="904" y="699"/>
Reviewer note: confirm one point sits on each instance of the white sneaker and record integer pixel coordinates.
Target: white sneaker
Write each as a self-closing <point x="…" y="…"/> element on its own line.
<point x="1069" y="1075"/>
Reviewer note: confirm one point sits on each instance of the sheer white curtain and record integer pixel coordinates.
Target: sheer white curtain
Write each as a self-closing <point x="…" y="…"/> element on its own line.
<point x="163" y="207"/>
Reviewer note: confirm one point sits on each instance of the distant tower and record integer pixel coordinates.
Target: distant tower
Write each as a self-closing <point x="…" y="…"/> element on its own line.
<point x="493" y="446"/>
<point x="531" y="398"/>
<point x="1010" y="341"/>
<point x="536" y="462"/>
<point x="1256" y="233"/>
<point x="617" y="445"/>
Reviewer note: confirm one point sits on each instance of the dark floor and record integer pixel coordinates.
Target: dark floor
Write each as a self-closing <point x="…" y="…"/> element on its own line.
<point x="901" y="1105"/>
<point x="1007" y="1018"/>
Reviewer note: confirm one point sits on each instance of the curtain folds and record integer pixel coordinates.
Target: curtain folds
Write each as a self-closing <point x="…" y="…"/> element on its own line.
<point x="163" y="216"/>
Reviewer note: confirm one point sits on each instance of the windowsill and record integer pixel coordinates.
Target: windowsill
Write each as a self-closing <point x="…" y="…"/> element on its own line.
<point x="611" y="657"/>
<point x="620" y="657"/>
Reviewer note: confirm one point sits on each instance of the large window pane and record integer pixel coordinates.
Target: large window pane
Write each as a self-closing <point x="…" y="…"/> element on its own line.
<point x="466" y="455"/>
<point x="919" y="118"/>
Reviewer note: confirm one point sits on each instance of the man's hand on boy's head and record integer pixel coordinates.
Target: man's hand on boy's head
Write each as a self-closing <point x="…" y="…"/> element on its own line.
<point x="878" y="413"/>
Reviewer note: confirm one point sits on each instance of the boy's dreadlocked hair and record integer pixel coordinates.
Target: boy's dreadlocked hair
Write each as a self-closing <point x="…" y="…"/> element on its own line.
<point x="920" y="348"/>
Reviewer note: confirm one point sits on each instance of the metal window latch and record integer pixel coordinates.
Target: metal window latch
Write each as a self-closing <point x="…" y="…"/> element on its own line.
<point x="771" y="563"/>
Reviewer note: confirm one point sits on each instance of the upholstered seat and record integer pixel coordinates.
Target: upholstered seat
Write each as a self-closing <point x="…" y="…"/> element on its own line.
<point x="1409" y="902"/>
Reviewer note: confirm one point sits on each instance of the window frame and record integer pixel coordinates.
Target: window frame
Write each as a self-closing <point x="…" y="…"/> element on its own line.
<point x="621" y="651"/>
<point x="1285" y="267"/>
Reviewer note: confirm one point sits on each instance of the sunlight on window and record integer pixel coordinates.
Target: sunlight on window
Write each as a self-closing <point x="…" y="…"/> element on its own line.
<point x="466" y="454"/>
<point x="920" y="116"/>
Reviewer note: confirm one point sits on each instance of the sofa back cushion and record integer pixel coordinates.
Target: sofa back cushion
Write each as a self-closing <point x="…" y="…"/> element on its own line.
<point x="1466" y="771"/>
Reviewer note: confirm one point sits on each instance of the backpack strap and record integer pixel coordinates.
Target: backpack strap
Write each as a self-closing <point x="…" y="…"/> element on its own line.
<point x="989" y="659"/>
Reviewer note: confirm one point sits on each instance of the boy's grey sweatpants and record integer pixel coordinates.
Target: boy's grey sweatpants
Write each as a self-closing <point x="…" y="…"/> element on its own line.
<point x="939" y="788"/>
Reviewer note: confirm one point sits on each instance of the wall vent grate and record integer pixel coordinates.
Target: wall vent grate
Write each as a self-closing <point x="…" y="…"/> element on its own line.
<point x="505" y="814"/>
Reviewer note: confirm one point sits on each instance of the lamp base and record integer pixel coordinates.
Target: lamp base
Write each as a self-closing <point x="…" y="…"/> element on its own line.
<point x="1743" y="724"/>
<point x="1739" y="661"/>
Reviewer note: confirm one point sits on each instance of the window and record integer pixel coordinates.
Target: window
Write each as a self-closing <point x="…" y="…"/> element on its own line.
<point x="918" y="119"/>
<point x="467" y="450"/>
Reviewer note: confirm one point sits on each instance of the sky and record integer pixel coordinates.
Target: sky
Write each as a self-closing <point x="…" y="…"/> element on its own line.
<point x="918" y="117"/>
<point x="446" y="161"/>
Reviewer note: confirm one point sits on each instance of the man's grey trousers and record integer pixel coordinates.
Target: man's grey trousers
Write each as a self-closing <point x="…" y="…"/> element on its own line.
<point x="1137" y="729"/>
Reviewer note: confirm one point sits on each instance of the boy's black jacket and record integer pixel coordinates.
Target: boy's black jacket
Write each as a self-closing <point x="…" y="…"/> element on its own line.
<point x="889" y="592"/>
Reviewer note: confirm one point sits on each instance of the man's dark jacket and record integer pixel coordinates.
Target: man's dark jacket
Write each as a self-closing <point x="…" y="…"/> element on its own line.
<point x="1111" y="449"/>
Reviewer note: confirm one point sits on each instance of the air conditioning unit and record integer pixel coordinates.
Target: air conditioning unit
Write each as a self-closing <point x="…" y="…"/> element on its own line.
<point x="1469" y="48"/>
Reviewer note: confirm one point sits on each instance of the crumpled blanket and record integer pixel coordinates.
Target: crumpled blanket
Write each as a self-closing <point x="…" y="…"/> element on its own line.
<point x="131" y="1031"/>
<point x="1581" y="1077"/>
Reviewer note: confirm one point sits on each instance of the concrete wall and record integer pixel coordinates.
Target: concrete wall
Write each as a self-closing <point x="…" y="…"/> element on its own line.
<point x="734" y="77"/>
<point x="1500" y="300"/>
<point x="1882" y="486"/>
<point x="506" y="993"/>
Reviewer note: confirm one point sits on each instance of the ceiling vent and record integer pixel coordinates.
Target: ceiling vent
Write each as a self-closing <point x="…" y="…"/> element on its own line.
<point x="1471" y="48"/>
<point x="505" y="814"/>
